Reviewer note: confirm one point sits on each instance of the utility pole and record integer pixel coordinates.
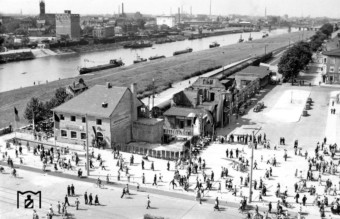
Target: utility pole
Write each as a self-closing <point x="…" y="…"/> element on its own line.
<point x="251" y="169"/>
<point x="87" y="148"/>
<point x="153" y="93"/>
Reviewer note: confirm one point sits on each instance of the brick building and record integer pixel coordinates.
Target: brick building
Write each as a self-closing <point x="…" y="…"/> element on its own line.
<point x="68" y="25"/>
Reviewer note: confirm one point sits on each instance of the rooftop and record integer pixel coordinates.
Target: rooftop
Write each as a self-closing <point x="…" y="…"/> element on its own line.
<point x="90" y="101"/>
<point x="255" y="71"/>
<point x="181" y="111"/>
<point x="334" y="52"/>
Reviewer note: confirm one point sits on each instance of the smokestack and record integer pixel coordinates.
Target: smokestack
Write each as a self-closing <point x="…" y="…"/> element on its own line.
<point x="122" y="8"/>
<point x="179" y="15"/>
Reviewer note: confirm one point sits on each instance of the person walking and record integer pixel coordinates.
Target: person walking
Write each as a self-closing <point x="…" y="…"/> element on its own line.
<point x="69" y="190"/>
<point x="304" y="199"/>
<point x="58" y="207"/>
<point x="90" y="199"/>
<point x="72" y="190"/>
<point x="152" y="166"/>
<point x="155" y="180"/>
<point x="123" y="193"/>
<point x="85" y="198"/>
<point x="173" y="183"/>
<point x="143" y="178"/>
<point x="66" y="200"/>
<point x="297" y="196"/>
<point x="216" y="207"/>
<point x="168" y="166"/>
<point x="96" y="200"/>
<point x="148" y="203"/>
<point x="77" y="202"/>
<point x="142" y="164"/>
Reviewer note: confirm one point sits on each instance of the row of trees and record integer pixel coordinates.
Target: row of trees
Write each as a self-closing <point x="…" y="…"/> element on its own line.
<point x="317" y="39"/>
<point x="297" y="57"/>
<point x="42" y="110"/>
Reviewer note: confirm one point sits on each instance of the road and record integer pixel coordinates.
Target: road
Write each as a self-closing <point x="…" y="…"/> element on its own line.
<point x="112" y="206"/>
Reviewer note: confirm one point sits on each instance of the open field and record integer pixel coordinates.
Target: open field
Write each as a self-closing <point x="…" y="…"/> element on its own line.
<point x="171" y="69"/>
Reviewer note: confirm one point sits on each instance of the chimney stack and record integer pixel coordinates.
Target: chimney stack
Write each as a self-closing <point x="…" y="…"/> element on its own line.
<point x="179" y="15"/>
<point x="122" y="8"/>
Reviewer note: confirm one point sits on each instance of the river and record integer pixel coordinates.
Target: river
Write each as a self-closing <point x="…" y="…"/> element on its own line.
<point x="40" y="70"/>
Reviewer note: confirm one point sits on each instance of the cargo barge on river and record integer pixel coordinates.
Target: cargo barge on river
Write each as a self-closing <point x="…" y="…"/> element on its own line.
<point x="114" y="63"/>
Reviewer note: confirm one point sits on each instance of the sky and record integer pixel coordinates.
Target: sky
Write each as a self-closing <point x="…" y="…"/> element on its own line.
<point x="313" y="8"/>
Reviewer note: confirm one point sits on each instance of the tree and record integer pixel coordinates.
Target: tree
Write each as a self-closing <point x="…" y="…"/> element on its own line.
<point x="327" y="29"/>
<point x="295" y="59"/>
<point x="35" y="107"/>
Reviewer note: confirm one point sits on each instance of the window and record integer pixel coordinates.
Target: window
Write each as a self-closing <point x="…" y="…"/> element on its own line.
<point x="331" y="69"/>
<point x="325" y="60"/>
<point x="62" y="117"/>
<point x="188" y="122"/>
<point x="212" y="96"/>
<point x="181" y="124"/>
<point x="63" y="133"/>
<point x="83" y="119"/>
<point x="73" y="118"/>
<point x="83" y="135"/>
<point x="73" y="134"/>
<point x="99" y="122"/>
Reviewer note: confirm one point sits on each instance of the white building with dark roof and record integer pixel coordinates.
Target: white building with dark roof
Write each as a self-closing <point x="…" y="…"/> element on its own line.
<point x="108" y="115"/>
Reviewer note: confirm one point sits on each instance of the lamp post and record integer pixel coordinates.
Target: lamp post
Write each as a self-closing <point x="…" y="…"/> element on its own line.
<point x="251" y="169"/>
<point x="251" y="166"/>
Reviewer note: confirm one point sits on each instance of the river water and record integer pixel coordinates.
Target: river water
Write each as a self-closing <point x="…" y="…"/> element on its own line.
<point x="25" y="73"/>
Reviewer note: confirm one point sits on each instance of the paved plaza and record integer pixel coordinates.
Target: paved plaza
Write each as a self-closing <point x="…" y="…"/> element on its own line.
<point x="308" y="130"/>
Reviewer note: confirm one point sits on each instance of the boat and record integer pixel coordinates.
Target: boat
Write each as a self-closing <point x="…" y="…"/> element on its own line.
<point x="114" y="63"/>
<point x="139" y="59"/>
<point x="250" y="38"/>
<point x="138" y="44"/>
<point x="24" y="73"/>
<point x="241" y="39"/>
<point x="182" y="51"/>
<point x="214" y="44"/>
<point x="156" y="57"/>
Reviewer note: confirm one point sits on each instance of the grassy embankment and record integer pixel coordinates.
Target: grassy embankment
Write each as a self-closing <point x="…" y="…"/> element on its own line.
<point x="167" y="70"/>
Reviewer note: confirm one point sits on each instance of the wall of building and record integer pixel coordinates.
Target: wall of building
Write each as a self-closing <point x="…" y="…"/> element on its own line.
<point x="165" y="20"/>
<point x="79" y="127"/>
<point x="68" y="25"/>
<point x="332" y="69"/>
<point x="148" y="133"/>
<point x="121" y="120"/>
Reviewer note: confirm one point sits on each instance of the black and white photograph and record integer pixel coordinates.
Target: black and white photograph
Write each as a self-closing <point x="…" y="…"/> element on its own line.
<point x="169" y="109"/>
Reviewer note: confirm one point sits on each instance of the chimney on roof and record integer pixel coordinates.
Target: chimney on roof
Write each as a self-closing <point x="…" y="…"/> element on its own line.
<point x="122" y="8"/>
<point x="108" y="85"/>
<point x="104" y="104"/>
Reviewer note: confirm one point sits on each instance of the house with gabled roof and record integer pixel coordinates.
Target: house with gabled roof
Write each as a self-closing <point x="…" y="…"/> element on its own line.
<point x="106" y="115"/>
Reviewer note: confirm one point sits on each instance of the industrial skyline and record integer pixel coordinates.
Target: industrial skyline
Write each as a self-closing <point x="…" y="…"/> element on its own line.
<point x="293" y="8"/>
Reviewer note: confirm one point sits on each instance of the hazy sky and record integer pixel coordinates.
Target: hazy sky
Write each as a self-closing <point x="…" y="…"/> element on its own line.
<point x="314" y="8"/>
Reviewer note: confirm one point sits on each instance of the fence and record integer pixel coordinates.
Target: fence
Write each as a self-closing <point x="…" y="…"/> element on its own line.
<point x="161" y="154"/>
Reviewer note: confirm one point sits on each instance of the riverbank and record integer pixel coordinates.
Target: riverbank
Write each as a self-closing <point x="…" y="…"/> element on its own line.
<point x="164" y="71"/>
